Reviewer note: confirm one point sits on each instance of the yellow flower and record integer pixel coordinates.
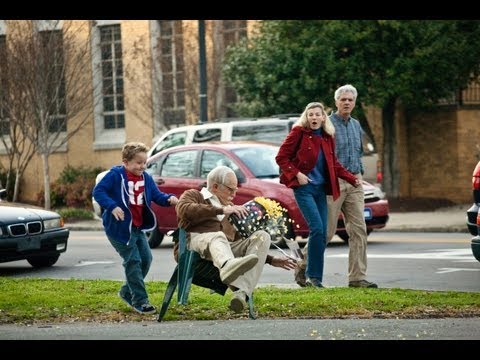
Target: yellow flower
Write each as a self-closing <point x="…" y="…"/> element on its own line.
<point x="275" y="218"/>
<point x="273" y="208"/>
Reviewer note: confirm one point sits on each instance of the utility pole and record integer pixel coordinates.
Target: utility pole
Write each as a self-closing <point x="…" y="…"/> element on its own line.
<point x="203" y="72"/>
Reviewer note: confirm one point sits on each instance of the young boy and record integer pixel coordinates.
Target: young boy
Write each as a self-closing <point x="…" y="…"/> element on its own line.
<point x="125" y="193"/>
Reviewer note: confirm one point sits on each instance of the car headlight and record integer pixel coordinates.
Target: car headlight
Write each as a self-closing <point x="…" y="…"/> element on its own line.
<point x="377" y="192"/>
<point x="53" y="224"/>
<point x="373" y="194"/>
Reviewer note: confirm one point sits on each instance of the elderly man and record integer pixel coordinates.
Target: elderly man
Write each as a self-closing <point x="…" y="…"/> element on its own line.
<point x="204" y="215"/>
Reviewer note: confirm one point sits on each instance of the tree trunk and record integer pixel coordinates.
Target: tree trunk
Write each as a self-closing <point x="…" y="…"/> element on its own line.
<point x="16" y="188"/>
<point x="46" y="176"/>
<point x="390" y="163"/>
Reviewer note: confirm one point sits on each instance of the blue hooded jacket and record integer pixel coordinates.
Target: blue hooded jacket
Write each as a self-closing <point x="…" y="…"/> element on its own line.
<point x="112" y="191"/>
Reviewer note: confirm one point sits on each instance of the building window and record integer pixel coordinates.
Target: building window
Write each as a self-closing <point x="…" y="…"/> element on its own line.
<point x="232" y="32"/>
<point x="112" y="77"/>
<point x="172" y="69"/>
<point x="54" y="77"/>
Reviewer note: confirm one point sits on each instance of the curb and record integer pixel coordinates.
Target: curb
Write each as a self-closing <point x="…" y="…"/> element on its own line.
<point x="97" y="226"/>
<point x="439" y="229"/>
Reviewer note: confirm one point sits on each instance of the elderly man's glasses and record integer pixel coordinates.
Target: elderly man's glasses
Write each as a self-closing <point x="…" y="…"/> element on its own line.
<point x="232" y="190"/>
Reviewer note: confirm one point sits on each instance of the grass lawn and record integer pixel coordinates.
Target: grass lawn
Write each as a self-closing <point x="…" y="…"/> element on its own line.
<point x="52" y="300"/>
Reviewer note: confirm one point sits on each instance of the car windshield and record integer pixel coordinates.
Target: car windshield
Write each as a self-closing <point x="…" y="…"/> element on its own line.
<point x="260" y="160"/>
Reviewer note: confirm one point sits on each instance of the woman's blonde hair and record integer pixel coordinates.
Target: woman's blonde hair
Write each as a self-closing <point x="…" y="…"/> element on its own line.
<point x="327" y="125"/>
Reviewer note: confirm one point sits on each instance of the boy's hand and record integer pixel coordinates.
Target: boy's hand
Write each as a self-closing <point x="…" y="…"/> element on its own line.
<point x="173" y="200"/>
<point x="118" y="213"/>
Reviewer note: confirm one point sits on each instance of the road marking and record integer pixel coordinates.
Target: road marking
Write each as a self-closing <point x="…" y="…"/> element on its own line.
<point x="440" y="254"/>
<point x="449" y="270"/>
<point x="86" y="263"/>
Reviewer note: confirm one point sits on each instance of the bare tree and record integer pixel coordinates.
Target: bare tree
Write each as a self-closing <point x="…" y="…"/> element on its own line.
<point x="50" y="91"/>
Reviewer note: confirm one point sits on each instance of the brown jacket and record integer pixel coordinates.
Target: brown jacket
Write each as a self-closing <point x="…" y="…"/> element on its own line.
<point x="195" y="214"/>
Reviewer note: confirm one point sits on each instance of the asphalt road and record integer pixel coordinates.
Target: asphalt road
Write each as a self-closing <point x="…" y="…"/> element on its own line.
<point x="427" y="261"/>
<point x="260" y="329"/>
<point x="443" y="261"/>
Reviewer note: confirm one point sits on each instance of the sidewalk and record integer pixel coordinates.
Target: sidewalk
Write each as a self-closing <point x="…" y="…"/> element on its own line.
<point x="452" y="219"/>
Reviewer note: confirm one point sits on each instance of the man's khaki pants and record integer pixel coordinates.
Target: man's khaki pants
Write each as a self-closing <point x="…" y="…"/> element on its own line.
<point x="351" y="204"/>
<point x="215" y="247"/>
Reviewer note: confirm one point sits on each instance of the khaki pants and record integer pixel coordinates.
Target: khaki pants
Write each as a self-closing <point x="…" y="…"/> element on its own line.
<point x="351" y="204"/>
<point x="215" y="247"/>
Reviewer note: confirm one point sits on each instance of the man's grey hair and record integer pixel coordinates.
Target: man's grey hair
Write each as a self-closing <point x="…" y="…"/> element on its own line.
<point x="343" y="89"/>
<point x="218" y="175"/>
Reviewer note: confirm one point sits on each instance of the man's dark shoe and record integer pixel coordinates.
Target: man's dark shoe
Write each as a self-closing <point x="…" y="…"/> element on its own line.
<point x="314" y="282"/>
<point x="362" y="284"/>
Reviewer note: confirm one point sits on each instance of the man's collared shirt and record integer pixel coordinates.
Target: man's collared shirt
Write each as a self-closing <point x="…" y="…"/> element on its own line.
<point x="207" y="195"/>
<point x="348" y="143"/>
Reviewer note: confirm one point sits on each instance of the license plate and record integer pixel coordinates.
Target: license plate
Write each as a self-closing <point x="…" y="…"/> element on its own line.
<point x="367" y="213"/>
<point x="29" y="243"/>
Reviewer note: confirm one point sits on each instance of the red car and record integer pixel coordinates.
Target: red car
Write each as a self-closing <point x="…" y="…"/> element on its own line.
<point x="473" y="213"/>
<point x="184" y="167"/>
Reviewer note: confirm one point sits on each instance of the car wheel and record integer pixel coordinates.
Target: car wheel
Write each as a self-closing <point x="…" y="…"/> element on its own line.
<point x="154" y="238"/>
<point x="344" y="236"/>
<point x="43" y="261"/>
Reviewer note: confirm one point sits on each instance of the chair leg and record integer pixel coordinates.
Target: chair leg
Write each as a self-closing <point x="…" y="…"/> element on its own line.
<point x="172" y="284"/>
<point x="185" y="275"/>
<point x="251" y="313"/>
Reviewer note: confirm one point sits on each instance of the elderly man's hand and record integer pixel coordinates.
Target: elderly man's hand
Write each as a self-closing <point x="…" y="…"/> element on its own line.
<point x="239" y="210"/>
<point x="284" y="263"/>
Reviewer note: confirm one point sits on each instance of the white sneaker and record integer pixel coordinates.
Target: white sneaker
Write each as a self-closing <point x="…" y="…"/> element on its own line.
<point x="236" y="267"/>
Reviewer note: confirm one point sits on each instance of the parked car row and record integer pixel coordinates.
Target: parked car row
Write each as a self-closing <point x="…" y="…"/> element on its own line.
<point x="30" y="233"/>
<point x="273" y="129"/>
<point x="180" y="168"/>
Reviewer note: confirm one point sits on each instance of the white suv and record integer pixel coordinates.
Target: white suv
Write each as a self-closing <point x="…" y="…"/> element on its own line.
<point x="263" y="129"/>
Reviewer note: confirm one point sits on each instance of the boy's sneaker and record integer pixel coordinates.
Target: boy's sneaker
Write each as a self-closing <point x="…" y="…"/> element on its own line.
<point x="145" y="309"/>
<point x="125" y="300"/>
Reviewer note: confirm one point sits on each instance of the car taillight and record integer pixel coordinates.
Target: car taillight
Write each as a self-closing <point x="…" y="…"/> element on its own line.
<point x="379" y="172"/>
<point x="476" y="178"/>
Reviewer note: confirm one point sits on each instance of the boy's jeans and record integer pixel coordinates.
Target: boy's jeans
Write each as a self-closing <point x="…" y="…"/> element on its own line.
<point x="137" y="258"/>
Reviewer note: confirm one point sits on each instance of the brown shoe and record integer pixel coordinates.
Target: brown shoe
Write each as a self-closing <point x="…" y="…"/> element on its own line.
<point x="362" y="284"/>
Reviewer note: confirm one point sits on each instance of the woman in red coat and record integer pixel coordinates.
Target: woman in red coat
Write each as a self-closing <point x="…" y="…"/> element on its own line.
<point x="309" y="166"/>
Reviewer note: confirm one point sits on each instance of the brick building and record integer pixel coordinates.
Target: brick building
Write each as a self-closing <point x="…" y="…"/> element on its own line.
<point x="151" y="68"/>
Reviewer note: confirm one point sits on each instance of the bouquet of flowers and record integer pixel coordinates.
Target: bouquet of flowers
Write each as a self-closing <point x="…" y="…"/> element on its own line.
<point x="264" y="214"/>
